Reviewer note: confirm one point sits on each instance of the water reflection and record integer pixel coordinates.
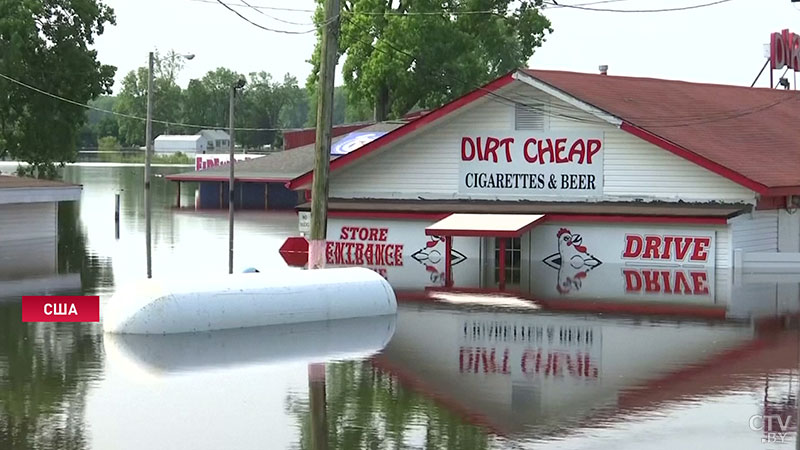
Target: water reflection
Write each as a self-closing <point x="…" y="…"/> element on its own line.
<point x="229" y="349"/>
<point x="46" y="371"/>
<point x="592" y="367"/>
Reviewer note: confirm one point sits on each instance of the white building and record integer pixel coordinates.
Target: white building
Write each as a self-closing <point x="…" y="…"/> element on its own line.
<point x="29" y="236"/>
<point x="217" y="140"/>
<point x="173" y="143"/>
<point x="590" y="186"/>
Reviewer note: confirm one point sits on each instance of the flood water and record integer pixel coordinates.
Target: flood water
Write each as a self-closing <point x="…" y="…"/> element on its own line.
<point x="457" y="371"/>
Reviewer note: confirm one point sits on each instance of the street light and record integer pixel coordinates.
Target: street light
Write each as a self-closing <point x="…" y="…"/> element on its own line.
<point x="236" y="86"/>
<point x="148" y="155"/>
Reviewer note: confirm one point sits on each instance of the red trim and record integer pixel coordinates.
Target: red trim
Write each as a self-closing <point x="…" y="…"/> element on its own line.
<point x="719" y="169"/>
<point x="636" y="219"/>
<point x="397" y="133"/>
<point x="787" y="190"/>
<point x="448" y="261"/>
<point x="178" y="177"/>
<point x="388" y="215"/>
<point x="773" y="202"/>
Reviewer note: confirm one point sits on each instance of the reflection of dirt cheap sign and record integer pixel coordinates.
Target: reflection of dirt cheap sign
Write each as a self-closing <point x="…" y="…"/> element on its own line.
<point x="527" y="164"/>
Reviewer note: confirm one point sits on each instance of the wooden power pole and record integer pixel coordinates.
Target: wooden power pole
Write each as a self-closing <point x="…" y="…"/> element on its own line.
<point x="319" y="189"/>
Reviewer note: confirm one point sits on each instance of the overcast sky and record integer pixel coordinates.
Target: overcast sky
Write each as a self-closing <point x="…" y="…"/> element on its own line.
<point x="717" y="44"/>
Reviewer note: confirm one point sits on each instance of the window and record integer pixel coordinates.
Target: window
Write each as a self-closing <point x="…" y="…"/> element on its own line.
<point x="529" y="116"/>
<point x="513" y="260"/>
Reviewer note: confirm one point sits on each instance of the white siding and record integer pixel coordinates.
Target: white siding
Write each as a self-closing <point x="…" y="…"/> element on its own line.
<point x="24" y="221"/>
<point x="426" y="165"/>
<point x="756" y="232"/>
<point x="28" y="240"/>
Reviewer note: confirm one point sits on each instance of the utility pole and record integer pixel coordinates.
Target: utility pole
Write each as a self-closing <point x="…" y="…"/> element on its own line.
<point x="147" y="156"/>
<point x="319" y="188"/>
<point x="231" y="180"/>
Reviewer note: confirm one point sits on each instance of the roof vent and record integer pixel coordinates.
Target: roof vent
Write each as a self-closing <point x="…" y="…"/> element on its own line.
<point x="603" y="69"/>
<point x="529" y="116"/>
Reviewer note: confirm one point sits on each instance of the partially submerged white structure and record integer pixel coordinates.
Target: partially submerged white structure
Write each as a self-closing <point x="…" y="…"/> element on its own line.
<point x="248" y="300"/>
<point x="29" y="235"/>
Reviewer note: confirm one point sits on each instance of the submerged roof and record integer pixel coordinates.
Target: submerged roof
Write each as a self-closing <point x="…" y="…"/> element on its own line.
<point x="274" y="167"/>
<point x="214" y="134"/>
<point x="32" y="190"/>
<point x="180" y="137"/>
<point x="750" y="131"/>
<point x="747" y="135"/>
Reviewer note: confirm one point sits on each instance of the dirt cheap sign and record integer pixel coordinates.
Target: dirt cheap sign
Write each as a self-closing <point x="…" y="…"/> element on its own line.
<point x="528" y="164"/>
<point x="634" y="263"/>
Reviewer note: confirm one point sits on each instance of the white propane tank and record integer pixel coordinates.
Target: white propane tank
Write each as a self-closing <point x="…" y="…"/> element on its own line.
<point x="307" y="343"/>
<point x="248" y="300"/>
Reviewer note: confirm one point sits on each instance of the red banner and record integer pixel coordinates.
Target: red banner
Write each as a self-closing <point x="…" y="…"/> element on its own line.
<point x="61" y="309"/>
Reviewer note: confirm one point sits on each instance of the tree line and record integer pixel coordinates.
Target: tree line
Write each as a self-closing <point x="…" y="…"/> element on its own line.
<point x="263" y="103"/>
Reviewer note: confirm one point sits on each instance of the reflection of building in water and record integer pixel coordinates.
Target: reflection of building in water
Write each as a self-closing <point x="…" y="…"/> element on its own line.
<point x="29" y="236"/>
<point x="536" y="374"/>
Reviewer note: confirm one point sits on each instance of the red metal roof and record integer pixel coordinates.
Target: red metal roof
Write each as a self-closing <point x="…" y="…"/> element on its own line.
<point x="752" y="132"/>
<point x="748" y="135"/>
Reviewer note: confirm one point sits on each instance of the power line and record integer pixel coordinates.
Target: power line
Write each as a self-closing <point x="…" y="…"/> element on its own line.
<point x="262" y="26"/>
<point x="357" y="13"/>
<point x="127" y="116"/>
<point x="258" y="10"/>
<point x="269" y="8"/>
<point x="659" y="10"/>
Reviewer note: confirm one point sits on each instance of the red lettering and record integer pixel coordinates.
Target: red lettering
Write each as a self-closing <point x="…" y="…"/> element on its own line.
<point x="593" y="147"/>
<point x="633" y="246"/>
<point x="666" y="282"/>
<point x="373" y="234"/>
<point x="363" y="234"/>
<point x="528" y="157"/>
<point x="379" y="254"/>
<point x="682" y="245"/>
<point x="398" y="254"/>
<point x="701" y="246"/>
<point x="561" y="146"/>
<point x="651" y="281"/>
<point x="382" y="234"/>
<point x="700" y="282"/>
<point x="633" y="281"/>
<point x="467" y="149"/>
<point x="578" y="149"/>
<point x="507" y="143"/>
<point x="651" y="244"/>
<point x="492" y="144"/>
<point x="682" y="283"/>
<point x="466" y="359"/>
<point x="329" y="255"/>
<point x="343" y="234"/>
<point x="546" y="149"/>
<point x="667" y="253"/>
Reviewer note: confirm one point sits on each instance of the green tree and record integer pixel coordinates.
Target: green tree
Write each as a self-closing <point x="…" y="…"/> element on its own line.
<point x="401" y="54"/>
<point x="167" y="100"/>
<point x="46" y="44"/>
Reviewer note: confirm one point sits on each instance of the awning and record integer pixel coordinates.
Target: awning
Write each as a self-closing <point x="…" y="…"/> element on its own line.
<point x="490" y="225"/>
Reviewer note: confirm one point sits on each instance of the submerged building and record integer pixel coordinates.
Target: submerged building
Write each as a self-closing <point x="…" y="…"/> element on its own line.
<point x="662" y="186"/>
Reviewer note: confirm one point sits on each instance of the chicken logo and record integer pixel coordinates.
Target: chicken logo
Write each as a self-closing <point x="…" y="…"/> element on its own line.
<point x="431" y="255"/>
<point x="572" y="261"/>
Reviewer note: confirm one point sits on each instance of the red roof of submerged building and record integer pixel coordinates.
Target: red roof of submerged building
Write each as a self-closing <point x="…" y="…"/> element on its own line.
<point x="747" y="135"/>
<point x="751" y="131"/>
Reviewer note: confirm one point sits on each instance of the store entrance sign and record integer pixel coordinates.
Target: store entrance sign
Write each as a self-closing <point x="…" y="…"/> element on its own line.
<point x="521" y="163"/>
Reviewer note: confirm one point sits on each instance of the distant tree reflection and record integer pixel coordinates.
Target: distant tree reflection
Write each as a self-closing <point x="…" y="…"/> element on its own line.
<point x="45" y="370"/>
<point x="369" y="409"/>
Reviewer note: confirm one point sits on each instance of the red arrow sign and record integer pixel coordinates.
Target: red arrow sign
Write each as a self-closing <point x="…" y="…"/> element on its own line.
<point x="295" y="251"/>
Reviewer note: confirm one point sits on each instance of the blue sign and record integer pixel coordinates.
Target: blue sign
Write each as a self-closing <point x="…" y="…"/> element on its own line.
<point x="354" y="140"/>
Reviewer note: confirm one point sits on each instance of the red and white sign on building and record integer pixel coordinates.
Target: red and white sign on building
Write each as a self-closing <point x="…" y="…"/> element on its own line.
<point x="529" y="164"/>
<point x="784" y="50"/>
<point x="207" y="161"/>
<point x="638" y="263"/>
